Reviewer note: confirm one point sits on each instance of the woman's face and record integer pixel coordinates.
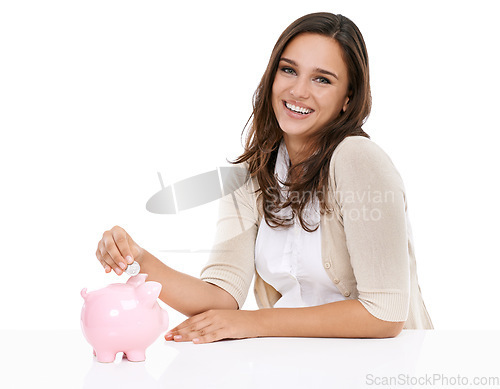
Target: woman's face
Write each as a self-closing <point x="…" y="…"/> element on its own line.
<point x="311" y="85"/>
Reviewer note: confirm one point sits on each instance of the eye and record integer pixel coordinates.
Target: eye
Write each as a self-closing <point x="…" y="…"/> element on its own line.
<point x="287" y="70"/>
<point x="322" y="80"/>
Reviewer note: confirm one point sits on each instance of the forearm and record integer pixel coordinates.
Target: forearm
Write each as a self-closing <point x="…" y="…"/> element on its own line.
<point x="342" y="319"/>
<point x="184" y="293"/>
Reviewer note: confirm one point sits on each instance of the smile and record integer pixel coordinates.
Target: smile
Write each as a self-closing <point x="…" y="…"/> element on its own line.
<point x="299" y="110"/>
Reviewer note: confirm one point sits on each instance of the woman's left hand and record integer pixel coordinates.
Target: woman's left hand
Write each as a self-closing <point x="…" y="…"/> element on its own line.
<point x="215" y="324"/>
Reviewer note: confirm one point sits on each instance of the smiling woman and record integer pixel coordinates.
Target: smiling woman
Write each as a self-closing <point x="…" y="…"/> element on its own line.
<point x="306" y="96"/>
<point x="314" y="93"/>
<point x="328" y="260"/>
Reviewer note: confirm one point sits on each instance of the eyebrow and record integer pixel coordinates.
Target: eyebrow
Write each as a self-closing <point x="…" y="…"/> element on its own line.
<point x="319" y="70"/>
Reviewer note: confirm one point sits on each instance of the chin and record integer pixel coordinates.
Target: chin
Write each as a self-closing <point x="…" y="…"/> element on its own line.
<point x="295" y="130"/>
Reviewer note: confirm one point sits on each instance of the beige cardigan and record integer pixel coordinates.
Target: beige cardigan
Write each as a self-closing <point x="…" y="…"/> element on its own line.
<point x="366" y="242"/>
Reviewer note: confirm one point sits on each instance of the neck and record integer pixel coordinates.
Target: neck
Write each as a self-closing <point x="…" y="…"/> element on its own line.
<point x="296" y="149"/>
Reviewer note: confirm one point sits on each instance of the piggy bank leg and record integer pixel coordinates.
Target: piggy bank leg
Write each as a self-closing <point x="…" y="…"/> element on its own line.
<point x="105" y="356"/>
<point x="136" y="355"/>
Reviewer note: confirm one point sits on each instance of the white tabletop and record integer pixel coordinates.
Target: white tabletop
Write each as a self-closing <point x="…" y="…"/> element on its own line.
<point x="63" y="359"/>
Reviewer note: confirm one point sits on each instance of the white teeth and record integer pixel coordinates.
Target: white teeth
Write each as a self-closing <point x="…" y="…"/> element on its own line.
<point x="301" y="110"/>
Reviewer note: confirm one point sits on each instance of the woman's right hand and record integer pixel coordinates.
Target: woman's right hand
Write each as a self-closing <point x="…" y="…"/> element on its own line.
<point x="116" y="250"/>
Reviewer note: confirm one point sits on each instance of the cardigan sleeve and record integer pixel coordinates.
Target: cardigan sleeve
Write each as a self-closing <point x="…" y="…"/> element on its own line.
<point x="371" y="197"/>
<point x="231" y="261"/>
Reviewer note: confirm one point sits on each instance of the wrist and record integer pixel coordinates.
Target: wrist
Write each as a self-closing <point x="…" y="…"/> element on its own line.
<point x="149" y="264"/>
<point x="259" y="321"/>
<point x="140" y="255"/>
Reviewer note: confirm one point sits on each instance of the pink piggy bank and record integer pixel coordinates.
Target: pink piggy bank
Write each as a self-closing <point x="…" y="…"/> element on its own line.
<point x="123" y="318"/>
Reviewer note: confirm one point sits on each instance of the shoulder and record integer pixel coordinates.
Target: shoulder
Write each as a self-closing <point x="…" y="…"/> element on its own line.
<point x="359" y="149"/>
<point x="358" y="159"/>
<point x="356" y="153"/>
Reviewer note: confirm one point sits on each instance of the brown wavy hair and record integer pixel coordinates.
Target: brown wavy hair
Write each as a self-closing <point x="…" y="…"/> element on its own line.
<point x="310" y="176"/>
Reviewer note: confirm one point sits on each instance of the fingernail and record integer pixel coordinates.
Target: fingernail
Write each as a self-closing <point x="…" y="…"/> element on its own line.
<point x="177" y="337"/>
<point x="196" y="340"/>
<point x="168" y="336"/>
<point x="129" y="259"/>
<point x="122" y="265"/>
<point x="118" y="271"/>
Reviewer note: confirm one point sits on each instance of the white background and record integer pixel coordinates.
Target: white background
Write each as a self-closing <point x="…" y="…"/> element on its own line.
<point x="96" y="97"/>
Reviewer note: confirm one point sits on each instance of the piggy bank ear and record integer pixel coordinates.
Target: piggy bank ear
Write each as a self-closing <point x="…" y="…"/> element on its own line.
<point x="148" y="292"/>
<point x="137" y="280"/>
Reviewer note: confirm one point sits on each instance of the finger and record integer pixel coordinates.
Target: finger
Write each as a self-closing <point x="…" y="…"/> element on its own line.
<point x="112" y="251"/>
<point x="112" y="264"/>
<point x="99" y="256"/>
<point x="121" y="242"/>
<point x="210" y="337"/>
<point x="108" y="259"/>
<point x="197" y="330"/>
<point x="106" y="267"/>
<point x="208" y="334"/>
<point x="189" y="322"/>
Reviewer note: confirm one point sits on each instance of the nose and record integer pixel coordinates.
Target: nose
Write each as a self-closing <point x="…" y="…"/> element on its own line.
<point x="300" y="88"/>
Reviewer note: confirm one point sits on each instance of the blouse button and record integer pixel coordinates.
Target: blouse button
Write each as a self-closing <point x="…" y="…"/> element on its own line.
<point x="327" y="265"/>
<point x="336" y="280"/>
<point x="347" y="293"/>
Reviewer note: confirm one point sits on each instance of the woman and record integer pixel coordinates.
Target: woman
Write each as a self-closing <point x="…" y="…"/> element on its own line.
<point x="321" y="221"/>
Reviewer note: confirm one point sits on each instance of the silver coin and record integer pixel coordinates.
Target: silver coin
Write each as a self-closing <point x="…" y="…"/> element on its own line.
<point x="133" y="269"/>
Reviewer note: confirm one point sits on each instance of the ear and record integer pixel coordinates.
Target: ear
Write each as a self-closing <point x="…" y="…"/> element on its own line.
<point x="346" y="103"/>
<point x="137" y="280"/>
<point x="148" y="292"/>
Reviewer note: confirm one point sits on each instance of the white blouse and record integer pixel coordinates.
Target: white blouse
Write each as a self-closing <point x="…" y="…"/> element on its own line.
<point x="289" y="258"/>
